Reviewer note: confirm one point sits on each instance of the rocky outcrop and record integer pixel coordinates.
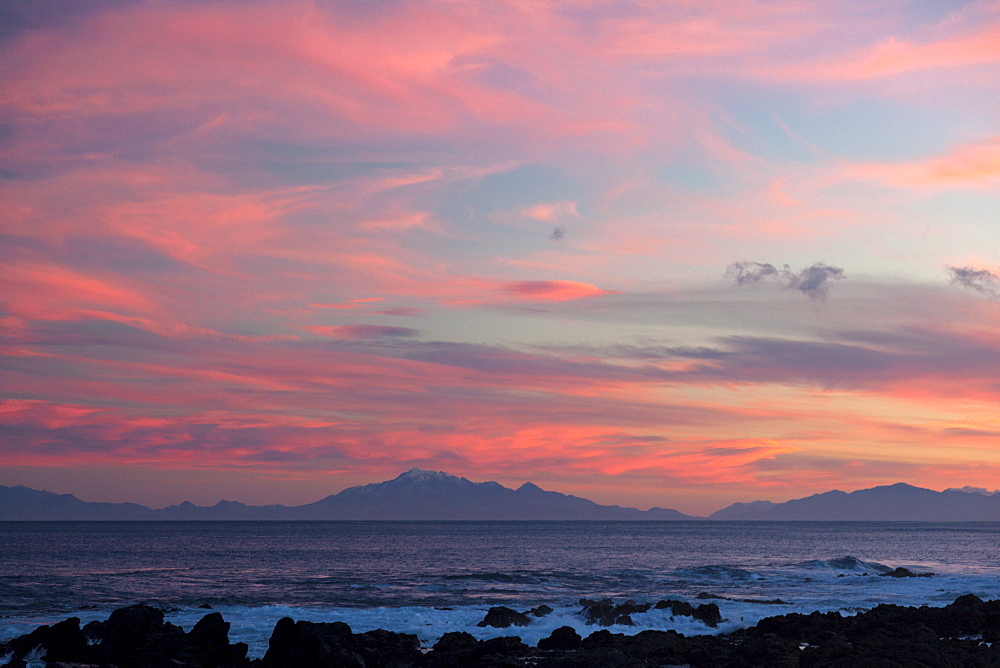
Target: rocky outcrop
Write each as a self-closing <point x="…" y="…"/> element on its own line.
<point x="964" y="633"/>
<point x="461" y="649"/>
<point x="133" y="636"/>
<point x="540" y="611"/>
<point x="502" y="618"/>
<point x="60" y="642"/>
<point x="905" y="573"/>
<point x="606" y="613"/>
<point x="708" y="612"/>
<point x="563" y="639"/>
<point x="295" y="644"/>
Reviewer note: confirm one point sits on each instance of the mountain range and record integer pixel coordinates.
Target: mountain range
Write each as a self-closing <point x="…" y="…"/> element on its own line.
<point x="433" y="495"/>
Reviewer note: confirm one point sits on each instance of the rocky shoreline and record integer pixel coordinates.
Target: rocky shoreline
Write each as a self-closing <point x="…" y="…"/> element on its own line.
<point x="963" y="633"/>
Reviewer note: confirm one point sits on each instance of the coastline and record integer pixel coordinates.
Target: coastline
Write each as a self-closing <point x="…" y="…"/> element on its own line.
<point x="964" y="632"/>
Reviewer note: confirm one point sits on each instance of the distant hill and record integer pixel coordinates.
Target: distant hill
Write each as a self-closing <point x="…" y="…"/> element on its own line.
<point x="433" y="495"/>
<point x="414" y="495"/>
<point x="24" y="503"/>
<point x="899" y="502"/>
<point x="419" y="494"/>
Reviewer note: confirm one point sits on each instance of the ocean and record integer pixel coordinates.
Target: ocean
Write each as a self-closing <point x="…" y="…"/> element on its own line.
<point x="429" y="578"/>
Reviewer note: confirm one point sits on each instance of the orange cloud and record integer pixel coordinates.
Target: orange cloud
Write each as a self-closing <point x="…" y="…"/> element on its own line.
<point x="966" y="165"/>
<point x="555" y="290"/>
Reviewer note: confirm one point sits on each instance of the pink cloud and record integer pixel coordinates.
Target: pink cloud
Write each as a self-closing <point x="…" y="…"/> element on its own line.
<point x="551" y="211"/>
<point x="964" y="166"/>
<point x="894" y="56"/>
<point x="363" y="331"/>
<point x="348" y="305"/>
<point x="555" y="290"/>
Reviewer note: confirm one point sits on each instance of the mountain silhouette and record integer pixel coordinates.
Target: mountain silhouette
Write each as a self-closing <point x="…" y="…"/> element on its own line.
<point x="899" y="502"/>
<point x="414" y="495"/>
<point x="433" y="495"/>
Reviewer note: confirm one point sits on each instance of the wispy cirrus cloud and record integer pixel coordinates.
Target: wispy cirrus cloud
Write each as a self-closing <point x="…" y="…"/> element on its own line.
<point x="965" y="166"/>
<point x="232" y="245"/>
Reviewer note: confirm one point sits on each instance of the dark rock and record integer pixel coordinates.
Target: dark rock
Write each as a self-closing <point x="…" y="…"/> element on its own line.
<point x="540" y="611"/>
<point x="205" y="606"/>
<point x="93" y="630"/>
<point x="294" y="644"/>
<point x="606" y="613"/>
<point x="455" y="641"/>
<point x="708" y="612"/>
<point x="905" y="573"/>
<point x="133" y="636"/>
<point x="602" y="638"/>
<point x="138" y="636"/>
<point x="589" y="603"/>
<point x="777" y="601"/>
<point x="505" y="646"/>
<point x="501" y="618"/>
<point x="768" y="650"/>
<point x="62" y="642"/>
<point x="461" y="649"/>
<point x="563" y="639"/>
<point x="207" y="644"/>
<point x="453" y="649"/>
<point x="887" y="635"/>
<point x="385" y="648"/>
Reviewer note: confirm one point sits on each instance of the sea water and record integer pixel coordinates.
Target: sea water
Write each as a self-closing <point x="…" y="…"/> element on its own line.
<point x="429" y="578"/>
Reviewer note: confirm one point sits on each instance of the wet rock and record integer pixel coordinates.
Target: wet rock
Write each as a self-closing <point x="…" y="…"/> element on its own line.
<point x="540" y="611"/>
<point x="501" y="618"/>
<point x="708" y="612"/>
<point x="606" y="613"/>
<point x="905" y="573"/>
<point x="777" y="601"/>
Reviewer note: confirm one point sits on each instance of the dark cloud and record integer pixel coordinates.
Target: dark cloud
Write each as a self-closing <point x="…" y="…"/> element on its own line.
<point x="748" y="273"/>
<point x="983" y="281"/>
<point x="558" y="233"/>
<point x="813" y="281"/>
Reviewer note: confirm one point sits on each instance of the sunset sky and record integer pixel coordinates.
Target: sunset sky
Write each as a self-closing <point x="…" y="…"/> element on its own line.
<point x="671" y="254"/>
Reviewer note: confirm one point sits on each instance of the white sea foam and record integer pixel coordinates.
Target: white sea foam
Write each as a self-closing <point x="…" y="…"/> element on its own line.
<point x="430" y="579"/>
<point x="824" y="593"/>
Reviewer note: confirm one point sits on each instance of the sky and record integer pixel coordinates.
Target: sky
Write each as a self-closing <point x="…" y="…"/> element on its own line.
<point x="673" y="254"/>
